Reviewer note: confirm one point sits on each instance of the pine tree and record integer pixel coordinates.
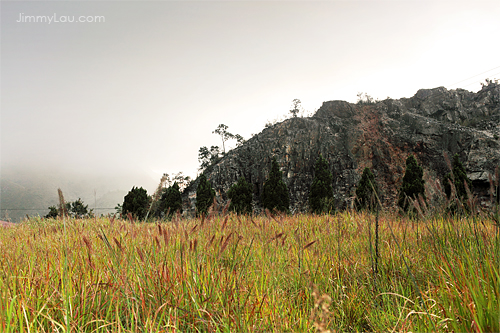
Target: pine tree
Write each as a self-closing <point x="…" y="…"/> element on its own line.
<point x="241" y="197"/>
<point x="413" y="183"/>
<point x="458" y="177"/>
<point x="275" y="194"/>
<point x="204" y="195"/>
<point x="321" y="192"/>
<point x="367" y="191"/>
<point x="172" y="200"/>
<point x="136" y="202"/>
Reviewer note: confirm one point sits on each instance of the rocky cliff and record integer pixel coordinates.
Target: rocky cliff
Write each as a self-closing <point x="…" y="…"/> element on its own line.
<point x="380" y="136"/>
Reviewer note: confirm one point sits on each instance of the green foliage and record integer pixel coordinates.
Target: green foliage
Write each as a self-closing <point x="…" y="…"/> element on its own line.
<point x="241" y="197"/>
<point x="367" y="191"/>
<point x="53" y="213"/>
<point x="295" y="107"/>
<point x="321" y="192"/>
<point x="458" y="178"/>
<point x="172" y="200"/>
<point x="207" y="158"/>
<point x="205" y="195"/>
<point x="365" y="99"/>
<point x="275" y="194"/>
<point x="438" y="275"/>
<point x="413" y="183"/>
<point x="136" y="202"/>
<point x="74" y="209"/>
<point x="224" y="134"/>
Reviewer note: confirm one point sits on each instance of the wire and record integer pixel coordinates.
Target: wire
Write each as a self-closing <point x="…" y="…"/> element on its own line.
<point x="451" y="85"/>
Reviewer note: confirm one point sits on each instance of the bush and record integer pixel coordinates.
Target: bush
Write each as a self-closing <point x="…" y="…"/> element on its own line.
<point x="241" y="197"/>
<point x="74" y="209"/>
<point x="275" y="194"/>
<point x="172" y="200"/>
<point x="413" y="183"/>
<point x="367" y="191"/>
<point x="136" y="202"/>
<point x="205" y="195"/>
<point x="321" y="192"/>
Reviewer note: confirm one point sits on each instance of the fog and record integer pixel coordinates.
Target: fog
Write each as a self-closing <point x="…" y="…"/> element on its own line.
<point x="137" y="88"/>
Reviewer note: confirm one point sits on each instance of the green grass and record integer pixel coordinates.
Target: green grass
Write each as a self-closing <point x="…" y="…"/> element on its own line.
<point x="286" y="273"/>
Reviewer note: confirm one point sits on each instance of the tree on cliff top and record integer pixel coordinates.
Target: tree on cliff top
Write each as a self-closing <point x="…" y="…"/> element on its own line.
<point x="205" y="195"/>
<point x="367" y="191"/>
<point x="275" y="194"/>
<point x="413" y="183"/>
<point x="321" y="192"/>
<point x="241" y="197"/>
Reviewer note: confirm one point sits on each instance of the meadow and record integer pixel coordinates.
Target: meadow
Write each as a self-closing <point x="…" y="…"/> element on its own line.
<point x="301" y="273"/>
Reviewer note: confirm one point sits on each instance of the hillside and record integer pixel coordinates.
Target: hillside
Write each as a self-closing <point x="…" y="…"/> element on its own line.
<point x="377" y="135"/>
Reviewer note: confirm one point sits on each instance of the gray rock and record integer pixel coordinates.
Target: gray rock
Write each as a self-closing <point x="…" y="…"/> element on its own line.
<point x="380" y="136"/>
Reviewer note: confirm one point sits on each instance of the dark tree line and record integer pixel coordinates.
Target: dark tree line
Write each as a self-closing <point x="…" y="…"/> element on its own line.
<point x="167" y="201"/>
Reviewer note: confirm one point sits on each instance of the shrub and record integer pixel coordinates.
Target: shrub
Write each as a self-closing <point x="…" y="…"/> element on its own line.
<point x="367" y="191"/>
<point x="413" y="183"/>
<point x="321" y="192"/>
<point x="275" y="194"/>
<point x="241" y="197"/>
<point x="136" y="202"/>
<point x="205" y="195"/>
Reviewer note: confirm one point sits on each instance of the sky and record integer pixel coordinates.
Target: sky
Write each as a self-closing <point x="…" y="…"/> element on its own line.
<point x="138" y="87"/>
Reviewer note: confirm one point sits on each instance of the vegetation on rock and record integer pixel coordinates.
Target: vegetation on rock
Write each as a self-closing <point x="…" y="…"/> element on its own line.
<point x="413" y="183"/>
<point x="458" y="178"/>
<point x="205" y="195"/>
<point x="240" y="195"/>
<point x="367" y="191"/>
<point x="275" y="194"/>
<point x="321" y="192"/>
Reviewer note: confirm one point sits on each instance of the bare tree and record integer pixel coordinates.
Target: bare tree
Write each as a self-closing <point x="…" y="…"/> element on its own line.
<point x="224" y="134"/>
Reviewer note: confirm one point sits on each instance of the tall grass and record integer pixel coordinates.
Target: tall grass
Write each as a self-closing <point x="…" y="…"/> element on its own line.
<point x="234" y="273"/>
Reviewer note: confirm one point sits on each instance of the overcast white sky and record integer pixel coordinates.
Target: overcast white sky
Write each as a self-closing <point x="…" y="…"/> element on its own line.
<point x="143" y="91"/>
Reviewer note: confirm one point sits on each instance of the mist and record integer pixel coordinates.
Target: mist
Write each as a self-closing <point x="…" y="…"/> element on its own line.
<point x="136" y="88"/>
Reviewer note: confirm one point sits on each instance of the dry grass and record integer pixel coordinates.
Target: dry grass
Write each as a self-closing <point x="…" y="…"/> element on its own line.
<point x="234" y="273"/>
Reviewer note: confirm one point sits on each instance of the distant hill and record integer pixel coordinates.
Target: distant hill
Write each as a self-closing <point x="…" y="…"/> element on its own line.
<point x="31" y="192"/>
<point x="379" y="135"/>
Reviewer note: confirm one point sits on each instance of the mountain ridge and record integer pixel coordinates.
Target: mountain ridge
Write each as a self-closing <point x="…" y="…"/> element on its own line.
<point x="378" y="135"/>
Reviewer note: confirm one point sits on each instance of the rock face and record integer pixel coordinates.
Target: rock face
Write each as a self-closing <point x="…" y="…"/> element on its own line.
<point x="351" y="137"/>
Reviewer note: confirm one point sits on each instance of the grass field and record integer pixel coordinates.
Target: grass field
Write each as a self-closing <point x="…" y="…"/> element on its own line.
<point x="226" y="273"/>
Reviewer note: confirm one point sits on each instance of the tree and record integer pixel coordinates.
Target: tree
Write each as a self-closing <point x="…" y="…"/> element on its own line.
<point x="364" y="98"/>
<point x="172" y="200"/>
<point x="458" y="177"/>
<point x="207" y="157"/>
<point x="136" y="202"/>
<point x="367" y="191"/>
<point x="295" y="107"/>
<point x="241" y="197"/>
<point x="182" y="181"/>
<point x="321" y="192"/>
<point x="275" y="194"/>
<point x="224" y="134"/>
<point x="205" y="195"/>
<point x="75" y="209"/>
<point x="413" y="183"/>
